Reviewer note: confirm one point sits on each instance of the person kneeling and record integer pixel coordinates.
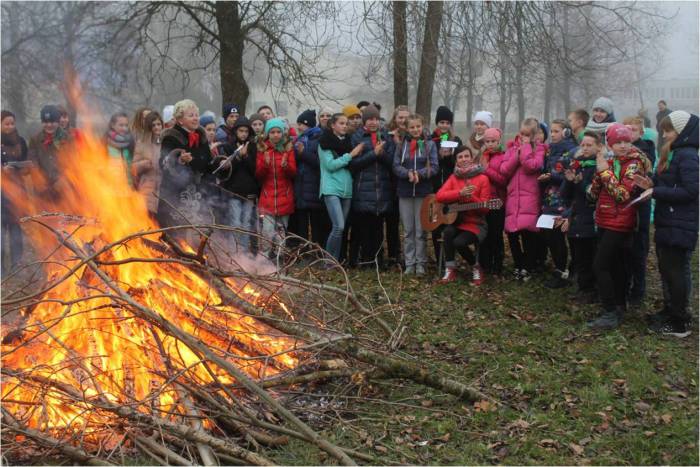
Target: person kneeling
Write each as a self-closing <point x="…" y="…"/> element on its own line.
<point x="468" y="184"/>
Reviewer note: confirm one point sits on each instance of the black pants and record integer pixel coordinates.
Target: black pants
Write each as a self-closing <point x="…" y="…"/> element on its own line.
<point x="585" y="249"/>
<point x="555" y="240"/>
<point x="640" y="253"/>
<point x="573" y="268"/>
<point x="540" y="251"/>
<point x="676" y="280"/>
<point x="393" y="239"/>
<point x="457" y="240"/>
<point x="611" y="267"/>
<point x="523" y="244"/>
<point x="492" y="249"/>
<point x="367" y="238"/>
<point x="11" y="241"/>
<point x="310" y="224"/>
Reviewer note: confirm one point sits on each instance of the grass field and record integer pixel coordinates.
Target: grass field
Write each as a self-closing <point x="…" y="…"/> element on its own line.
<point x="568" y="395"/>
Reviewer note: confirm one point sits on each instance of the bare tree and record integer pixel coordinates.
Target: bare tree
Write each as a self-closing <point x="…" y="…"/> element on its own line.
<point x="429" y="54"/>
<point x="400" y="54"/>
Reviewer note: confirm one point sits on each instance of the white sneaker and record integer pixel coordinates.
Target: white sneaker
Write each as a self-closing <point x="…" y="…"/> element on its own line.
<point x="420" y="270"/>
<point x="410" y="270"/>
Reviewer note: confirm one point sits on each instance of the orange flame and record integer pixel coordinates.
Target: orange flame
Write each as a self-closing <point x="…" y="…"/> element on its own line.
<point x="79" y="336"/>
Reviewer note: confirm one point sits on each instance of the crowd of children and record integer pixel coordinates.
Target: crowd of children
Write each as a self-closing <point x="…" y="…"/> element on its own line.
<point x="342" y="180"/>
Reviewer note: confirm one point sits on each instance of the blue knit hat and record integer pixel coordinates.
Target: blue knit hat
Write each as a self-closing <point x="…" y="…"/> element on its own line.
<point x="230" y="109"/>
<point x="275" y="123"/>
<point x="545" y="130"/>
<point x="205" y="120"/>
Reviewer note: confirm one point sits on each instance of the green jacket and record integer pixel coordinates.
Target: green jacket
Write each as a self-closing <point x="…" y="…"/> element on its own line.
<point x="336" y="179"/>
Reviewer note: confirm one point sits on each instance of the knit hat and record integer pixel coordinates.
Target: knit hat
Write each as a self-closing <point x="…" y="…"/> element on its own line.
<point x="616" y="133"/>
<point x="350" y="110"/>
<point x="168" y="112"/>
<point x="545" y="130"/>
<point x="307" y="117"/>
<point x="255" y="118"/>
<point x="243" y="121"/>
<point x="230" y="109"/>
<point x="275" y="123"/>
<point x="205" y="120"/>
<point x="603" y="103"/>
<point x="443" y="113"/>
<point x="493" y="133"/>
<point x="483" y="116"/>
<point x="368" y="112"/>
<point x="326" y="110"/>
<point x="679" y="119"/>
<point x="50" y="113"/>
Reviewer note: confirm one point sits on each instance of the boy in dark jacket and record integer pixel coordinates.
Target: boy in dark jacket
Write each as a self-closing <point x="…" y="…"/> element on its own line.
<point x="561" y="150"/>
<point x="226" y="132"/>
<point x="372" y="194"/>
<point x="580" y="224"/>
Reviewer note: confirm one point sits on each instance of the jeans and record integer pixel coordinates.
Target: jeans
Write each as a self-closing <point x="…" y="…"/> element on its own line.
<point x="676" y="280"/>
<point x="273" y="230"/>
<point x="414" y="235"/>
<point x="338" y="209"/>
<point x="241" y="214"/>
<point x="457" y="240"/>
<point x="492" y="250"/>
<point x="611" y="267"/>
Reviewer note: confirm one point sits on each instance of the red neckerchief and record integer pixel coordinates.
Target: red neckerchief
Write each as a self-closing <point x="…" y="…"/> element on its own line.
<point x="48" y="139"/>
<point x="373" y="136"/>
<point x="193" y="139"/>
<point x="413" y="145"/>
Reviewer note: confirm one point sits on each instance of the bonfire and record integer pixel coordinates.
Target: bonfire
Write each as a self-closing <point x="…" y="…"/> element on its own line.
<point x="134" y="341"/>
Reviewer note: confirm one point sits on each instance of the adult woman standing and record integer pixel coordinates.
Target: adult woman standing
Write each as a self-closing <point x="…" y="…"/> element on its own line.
<point x="145" y="169"/>
<point x="185" y="160"/>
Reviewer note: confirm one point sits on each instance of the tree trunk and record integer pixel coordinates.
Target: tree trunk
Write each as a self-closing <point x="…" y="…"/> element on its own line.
<point x="428" y="62"/>
<point x="234" y="88"/>
<point x="14" y="86"/>
<point x="400" y="54"/>
<point x="502" y="110"/>
<point x="70" y="86"/>
<point x="548" y="86"/>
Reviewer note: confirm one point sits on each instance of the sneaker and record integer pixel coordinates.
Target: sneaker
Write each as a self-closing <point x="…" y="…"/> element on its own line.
<point x="566" y="275"/>
<point x="675" y="329"/>
<point x="420" y="270"/>
<point x="450" y="276"/>
<point x="516" y="274"/>
<point x="410" y="270"/>
<point x="524" y="275"/>
<point x="476" y="275"/>
<point x="606" y="320"/>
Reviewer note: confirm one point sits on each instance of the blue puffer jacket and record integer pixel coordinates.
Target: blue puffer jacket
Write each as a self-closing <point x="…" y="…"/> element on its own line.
<point x="371" y="190"/>
<point x="554" y="164"/>
<point x="581" y="212"/>
<point x="676" y="192"/>
<point x="425" y="163"/>
<point x="308" y="177"/>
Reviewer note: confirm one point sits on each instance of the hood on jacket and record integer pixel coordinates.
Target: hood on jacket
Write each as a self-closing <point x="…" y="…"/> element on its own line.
<point x="689" y="136"/>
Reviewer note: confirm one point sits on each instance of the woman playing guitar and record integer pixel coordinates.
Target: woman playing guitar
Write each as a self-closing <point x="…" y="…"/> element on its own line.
<point x="467" y="184"/>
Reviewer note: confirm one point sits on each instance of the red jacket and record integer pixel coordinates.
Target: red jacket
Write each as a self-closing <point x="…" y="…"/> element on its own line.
<point x="276" y="182"/>
<point x="491" y="160"/>
<point x="472" y="221"/>
<point x="613" y="189"/>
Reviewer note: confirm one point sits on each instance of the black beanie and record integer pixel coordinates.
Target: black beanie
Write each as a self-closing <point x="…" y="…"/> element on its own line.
<point x="307" y="117"/>
<point x="443" y="113"/>
<point x="50" y="113"/>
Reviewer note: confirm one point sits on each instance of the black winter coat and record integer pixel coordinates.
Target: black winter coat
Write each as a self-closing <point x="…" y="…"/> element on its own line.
<point x="582" y="211"/>
<point x="676" y="192"/>
<point x="648" y="148"/>
<point x="447" y="164"/>
<point x="372" y="190"/>
<point x="240" y="179"/>
<point x="308" y="179"/>
<point x="185" y="190"/>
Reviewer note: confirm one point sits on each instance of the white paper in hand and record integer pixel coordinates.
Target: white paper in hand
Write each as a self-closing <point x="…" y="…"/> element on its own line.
<point x="646" y="194"/>
<point x="448" y="144"/>
<point x="546" y="221"/>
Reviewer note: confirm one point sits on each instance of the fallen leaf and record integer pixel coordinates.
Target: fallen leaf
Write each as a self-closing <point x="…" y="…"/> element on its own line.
<point x="519" y="424"/>
<point x="426" y="403"/>
<point x="444" y="438"/>
<point x="642" y="406"/>
<point x="548" y="443"/>
<point x="666" y="418"/>
<point x="484" y="406"/>
<point x="380" y="448"/>
<point x="576" y="449"/>
<point x="649" y="434"/>
<point x="584" y="441"/>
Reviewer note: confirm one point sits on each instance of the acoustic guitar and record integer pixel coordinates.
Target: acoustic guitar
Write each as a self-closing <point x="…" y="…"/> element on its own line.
<point x="434" y="214"/>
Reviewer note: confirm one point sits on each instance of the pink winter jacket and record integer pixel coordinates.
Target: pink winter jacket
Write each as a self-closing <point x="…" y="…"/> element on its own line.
<point x="521" y="166"/>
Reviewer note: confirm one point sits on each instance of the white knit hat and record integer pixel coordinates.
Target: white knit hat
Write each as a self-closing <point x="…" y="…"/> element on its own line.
<point x="679" y="119"/>
<point x="168" y="112"/>
<point x="483" y="116"/>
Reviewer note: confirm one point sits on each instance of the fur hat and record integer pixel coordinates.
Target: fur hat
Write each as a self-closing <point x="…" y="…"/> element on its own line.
<point x="50" y="113"/>
<point x="679" y="119"/>
<point x="616" y="133"/>
<point x="275" y="123"/>
<point x="350" y="110"/>
<point x="230" y="109"/>
<point x="603" y="103"/>
<point x="168" y="112"/>
<point x="368" y="112"/>
<point x="443" y="113"/>
<point x="493" y="133"/>
<point x="307" y="117"/>
<point x="483" y="116"/>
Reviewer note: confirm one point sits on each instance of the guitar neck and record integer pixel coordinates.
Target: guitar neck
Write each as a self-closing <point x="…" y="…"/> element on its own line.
<point x="467" y="206"/>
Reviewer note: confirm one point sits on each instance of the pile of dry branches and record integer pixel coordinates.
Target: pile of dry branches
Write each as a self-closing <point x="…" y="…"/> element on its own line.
<point x="231" y="417"/>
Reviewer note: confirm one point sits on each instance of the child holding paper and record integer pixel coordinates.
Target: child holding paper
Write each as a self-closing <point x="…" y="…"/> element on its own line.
<point x="613" y="188"/>
<point x="521" y="166"/>
<point x="492" y="250"/>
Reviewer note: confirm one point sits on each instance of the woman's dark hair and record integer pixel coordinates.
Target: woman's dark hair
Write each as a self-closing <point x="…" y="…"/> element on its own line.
<point x="148" y="122"/>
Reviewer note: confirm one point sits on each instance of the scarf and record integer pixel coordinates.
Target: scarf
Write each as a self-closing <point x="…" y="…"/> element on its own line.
<point x="119" y="141"/>
<point x="376" y="136"/>
<point x="48" y="140"/>
<point x="468" y="170"/>
<point x="414" y="144"/>
<point x="329" y="141"/>
<point x="192" y="139"/>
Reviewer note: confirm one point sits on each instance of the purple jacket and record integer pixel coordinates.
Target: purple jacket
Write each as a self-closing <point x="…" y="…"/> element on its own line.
<point x="521" y="166"/>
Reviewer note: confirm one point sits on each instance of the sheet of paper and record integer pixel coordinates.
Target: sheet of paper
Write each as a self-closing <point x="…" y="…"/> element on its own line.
<point x="448" y="144"/>
<point x="546" y="221"/>
<point x="646" y="194"/>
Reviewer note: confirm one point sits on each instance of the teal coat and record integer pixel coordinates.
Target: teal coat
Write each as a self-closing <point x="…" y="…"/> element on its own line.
<point x="336" y="179"/>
